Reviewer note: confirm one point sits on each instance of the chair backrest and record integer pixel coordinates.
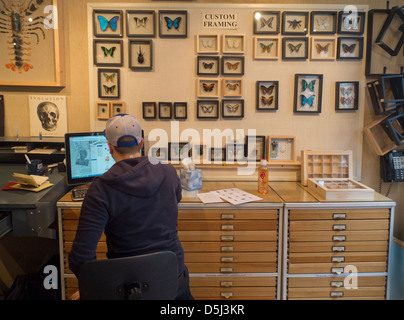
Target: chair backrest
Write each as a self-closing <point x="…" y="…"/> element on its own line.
<point x="147" y="277"/>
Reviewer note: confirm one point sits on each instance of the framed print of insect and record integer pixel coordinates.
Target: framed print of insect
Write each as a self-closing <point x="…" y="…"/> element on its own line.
<point x="165" y="110"/>
<point x="267" y="95"/>
<point x="233" y="43"/>
<point x="149" y="110"/>
<point x="108" y="53"/>
<point x="350" y="48"/>
<point x="351" y="22"/>
<point x="295" y="48"/>
<point x="117" y="108"/>
<point x="323" y="48"/>
<point x="208" y="65"/>
<point x="109" y="83"/>
<point x="180" y="110"/>
<point x="140" y="23"/>
<point x="208" y="88"/>
<point x="346" y="95"/>
<point x="232" y="108"/>
<point x="207" y="43"/>
<point x="103" y="110"/>
<point x="207" y="109"/>
<point x="295" y="23"/>
<point x="140" y="55"/>
<point x="323" y="22"/>
<point x="108" y="23"/>
<point x="308" y="93"/>
<point x="173" y="24"/>
<point x="266" y="22"/>
<point x="233" y="65"/>
<point x="266" y="48"/>
<point x="232" y="87"/>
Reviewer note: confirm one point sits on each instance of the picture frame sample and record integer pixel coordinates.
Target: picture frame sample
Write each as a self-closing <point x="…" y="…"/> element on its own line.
<point x="266" y="22"/>
<point x="233" y="65"/>
<point x="323" y="48"/>
<point x="346" y="95"/>
<point x="266" y="48"/>
<point x="173" y="24"/>
<point x="351" y="22"/>
<point x="178" y="151"/>
<point x="116" y="107"/>
<point x="200" y="153"/>
<point x="267" y="95"/>
<point x="207" y="109"/>
<point x="140" y="55"/>
<point x="103" y="110"/>
<point x="217" y="155"/>
<point x="232" y="108"/>
<point x="281" y="148"/>
<point x="108" y="53"/>
<point x="308" y="93"/>
<point x="295" y="48"/>
<point x="388" y="38"/>
<point x="207" y="43"/>
<point x="208" y="65"/>
<point x="165" y="110"/>
<point x="233" y="43"/>
<point x="180" y="110"/>
<point x="392" y="91"/>
<point x="159" y="153"/>
<point x="149" y="110"/>
<point x="235" y="152"/>
<point x="208" y="88"/>
<point x="255" y="148"/>
<point x="109" y="83"/>
<point x="295" y="23"/>
<point x="350" y="48"/>
<point x="108" y="23"/>
<point x="232" y="87"/>
<point x="141" y="23"/>
<point x="323" y="22"/>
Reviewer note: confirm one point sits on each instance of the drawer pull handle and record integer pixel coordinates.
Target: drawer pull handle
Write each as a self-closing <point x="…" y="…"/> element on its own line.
<point x="227" y="238"/>
<point x="337" y="294"/>
<point x="338" y="259"/>
<point x="226" y="284"/>
<point x="226" y="248"/>
<point x="339" y="238"/>
<point x="227" y="227"/>
<point x="226" y="295"/>
<point x="226" y="270"/>
<point x="337" y="270"/>
<point x="339" y="216"/>
<point x="339" y="227"/>
<point x="227" y="259"/>
<point x="336" y="284"/>
<point x="338" y="249"/>
<point x="227" y="216"/>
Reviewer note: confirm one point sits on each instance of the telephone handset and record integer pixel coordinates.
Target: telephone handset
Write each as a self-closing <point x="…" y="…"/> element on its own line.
<point x="392" y="166"/>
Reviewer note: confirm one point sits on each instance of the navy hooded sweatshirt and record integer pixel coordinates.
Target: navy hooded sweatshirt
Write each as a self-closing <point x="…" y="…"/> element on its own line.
<point x="136" y="204"/>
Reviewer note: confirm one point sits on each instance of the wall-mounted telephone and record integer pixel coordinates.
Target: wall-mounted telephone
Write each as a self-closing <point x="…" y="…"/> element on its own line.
<point x="392" y="166"/>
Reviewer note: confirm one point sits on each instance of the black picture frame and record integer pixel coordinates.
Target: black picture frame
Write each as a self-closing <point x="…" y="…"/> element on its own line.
<point x="141" y="23"/>
<point x="217" y="155"/>
<point x="207" y="109"/>
<point x="346" y="22"/>
<point x="108" y="53"/>
<point x="253" y="153"/>
<point x="208" y="65"/>
<point x="346" y="95"/>
<point x="180" y="110"/>
<point x="350" y="48"/>
<point x="295" y="27"/>
<point x="109" y="83"/>
<point x="319" y="25"/>
<point x="165" y="110"/>
<point x="392" y="91"/>
<point x="173" y="23"/>
<point x="233" y="65"/>
<point x="159" y="153"/>
<point x="308" y="93"/>
<point x="235" y="152"/>
<point x="105" y="21"/>
<point x="267" y="95"/>
<point x="232" y="108"/>
<point x="140" y="55"/>
<point x="266" y="22"/>
<point x="176" y="151"/>
<point x="149" y="110"/>
<point x="391" y="49"/>
<point x="292" y="48"/>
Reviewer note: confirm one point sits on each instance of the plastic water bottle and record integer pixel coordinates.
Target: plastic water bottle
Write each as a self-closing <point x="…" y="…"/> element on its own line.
<point x="263" y="177"/>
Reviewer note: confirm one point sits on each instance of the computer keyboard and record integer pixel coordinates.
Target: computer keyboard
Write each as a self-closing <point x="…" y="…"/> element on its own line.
<point x="78" y="194"/>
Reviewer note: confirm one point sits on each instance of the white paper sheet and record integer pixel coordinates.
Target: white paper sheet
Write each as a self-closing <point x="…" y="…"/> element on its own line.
<point x="209" y="197"/>
<point x="236" y="196"/>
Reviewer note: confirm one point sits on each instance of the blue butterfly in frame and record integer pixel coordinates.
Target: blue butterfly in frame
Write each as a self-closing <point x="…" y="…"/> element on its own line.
<point x="104" y="23"/>
<point x="173" y="23"/>
<point x="309" y="101"/>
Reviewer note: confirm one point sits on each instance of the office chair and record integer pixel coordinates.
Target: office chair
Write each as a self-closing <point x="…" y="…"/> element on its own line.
<point x="146" y="277"/>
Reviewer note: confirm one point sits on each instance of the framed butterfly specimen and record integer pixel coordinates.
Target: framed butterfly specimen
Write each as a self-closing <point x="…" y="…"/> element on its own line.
<point x="346" y="95"/>
<point x="281" y="148"/>
<point x="295" y="23"/>
<point x="177" y="151"/>
<point x="351" y="22"/>
<point x="103" y="110"/>
<point x="308" y="93"/>
<point x="180" y="110"/>
<point x="235" y="152"/>
<point x="266" y="22"/>
<point x="233" y="65"/>
<point x="295" y="48"/>
<point x="108" y="23"/>
<point x="207" y="43"/>
<point x="233" y="43"/>
<point x="140" y="55"/>
<point x="232" y="108"/>
<point x="323" y="48"/>
<point x="149" y="110"/>
<point x="165" y="110"/>
<point x="267" y="95"/>
<point x="255" y="148"/>
<point x="207" y="88"/>
<point x="323" y="22"/>
<point x="173" y="24"/>
<point x="208" y="65"/>
<point x="266" y="48"/>
<point x="207" y="109"/>
<point x="108" y="53"/>
<point x="350" y="48"/>
<point x="232" y="87"/>
<point x="140" y="23"/>
<point x="108" y="83"/>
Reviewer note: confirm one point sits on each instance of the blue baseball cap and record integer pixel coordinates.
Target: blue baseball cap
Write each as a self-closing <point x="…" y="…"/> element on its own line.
<point x="121" y="126"/>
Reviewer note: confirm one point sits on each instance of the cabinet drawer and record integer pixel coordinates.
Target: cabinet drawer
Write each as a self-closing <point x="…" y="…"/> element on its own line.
<point x="264" y="267"/>
<point x="229" y="247"/>
<point x="234" y="257"/>
<point x="232" y="281"/>
<point x="339" y="214"/>
<point x="379" y="235"/>
<point x="349" y="246"/>
<point x="351" y="257"/>
<point x="227" y="236"/>
<point x="227" y="214"/>
<point x="340" y="293"/>
<point x="236" y="225"/>
<point x="336" y="268"/>
<point x="335" y="282"/>
<point x="255" y="293"/>
<point x="329" y="225"/>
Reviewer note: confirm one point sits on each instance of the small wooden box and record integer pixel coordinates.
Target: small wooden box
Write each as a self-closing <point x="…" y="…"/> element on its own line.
<point x="326" y="164"/>
<point x="340" y="189"/>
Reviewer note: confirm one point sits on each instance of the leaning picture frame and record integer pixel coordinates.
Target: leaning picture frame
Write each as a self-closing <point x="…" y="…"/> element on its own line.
<point x="108" y="23"/>
<point x="255" y="148"/>
<point x="281" y="149"/>
<point x="140" y="55"/>
<point x="308" y="93"/>
<point x="141" y="23"/>
<point x="346" y="95"/>
<point x="109" y="83"/>
<point x="267" y="95"/>
<point x="108" y="53"/>
<point x="173" y="24"/>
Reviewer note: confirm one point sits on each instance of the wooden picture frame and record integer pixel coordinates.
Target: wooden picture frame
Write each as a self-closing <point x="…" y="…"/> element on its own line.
<point x="295" y="23"/>
<point x="267" y="95"/>
<point x="108" y="23"/>
<point x="173" y="23"/>
<point x="45" y="46"/>
<point x="233" y="65"/>
<point x="149" y="110"/>
<point x="233" y="44"/>
<point x="232" y="87"/>
<point x="323" y="48"/>
<point x="180" y="110"/>
<point x="350" y="48"/>
<point x="352" y="23"/>
<point x="108" y="53"/>
<point x="103" y="110"/>
<point x="266" y="48"/>
<point x="266" y="22"/>
<point x="308" y="93"/>
<point x="117" y="107"/>
<point x="232" y="108"/>
<point x="207" y="43"/>
<point x="323" y="22"/>
<point x="141" y="23"/>
<point x="255" y="148"/>
<point x="109" y="83"/>
<point x="208" y="65"/>
<point x="165" y="110"/>
<point x="208" y="88"/>
<point x="207" y="109"/>
<point x="346" y="95"/>
<point x="281" y="149"/>
<point x="140" y="55"/>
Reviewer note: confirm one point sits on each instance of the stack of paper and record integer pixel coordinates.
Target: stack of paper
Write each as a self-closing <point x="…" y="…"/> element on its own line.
<point x="233" y="195"/>
<point x="31" y="182"/>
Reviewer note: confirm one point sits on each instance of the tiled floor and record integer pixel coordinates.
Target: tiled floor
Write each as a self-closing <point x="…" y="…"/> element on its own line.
<point x="396" y="277"/>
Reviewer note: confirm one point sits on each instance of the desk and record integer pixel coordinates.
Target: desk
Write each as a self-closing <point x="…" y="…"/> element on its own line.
<point x="31" y="212"/>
